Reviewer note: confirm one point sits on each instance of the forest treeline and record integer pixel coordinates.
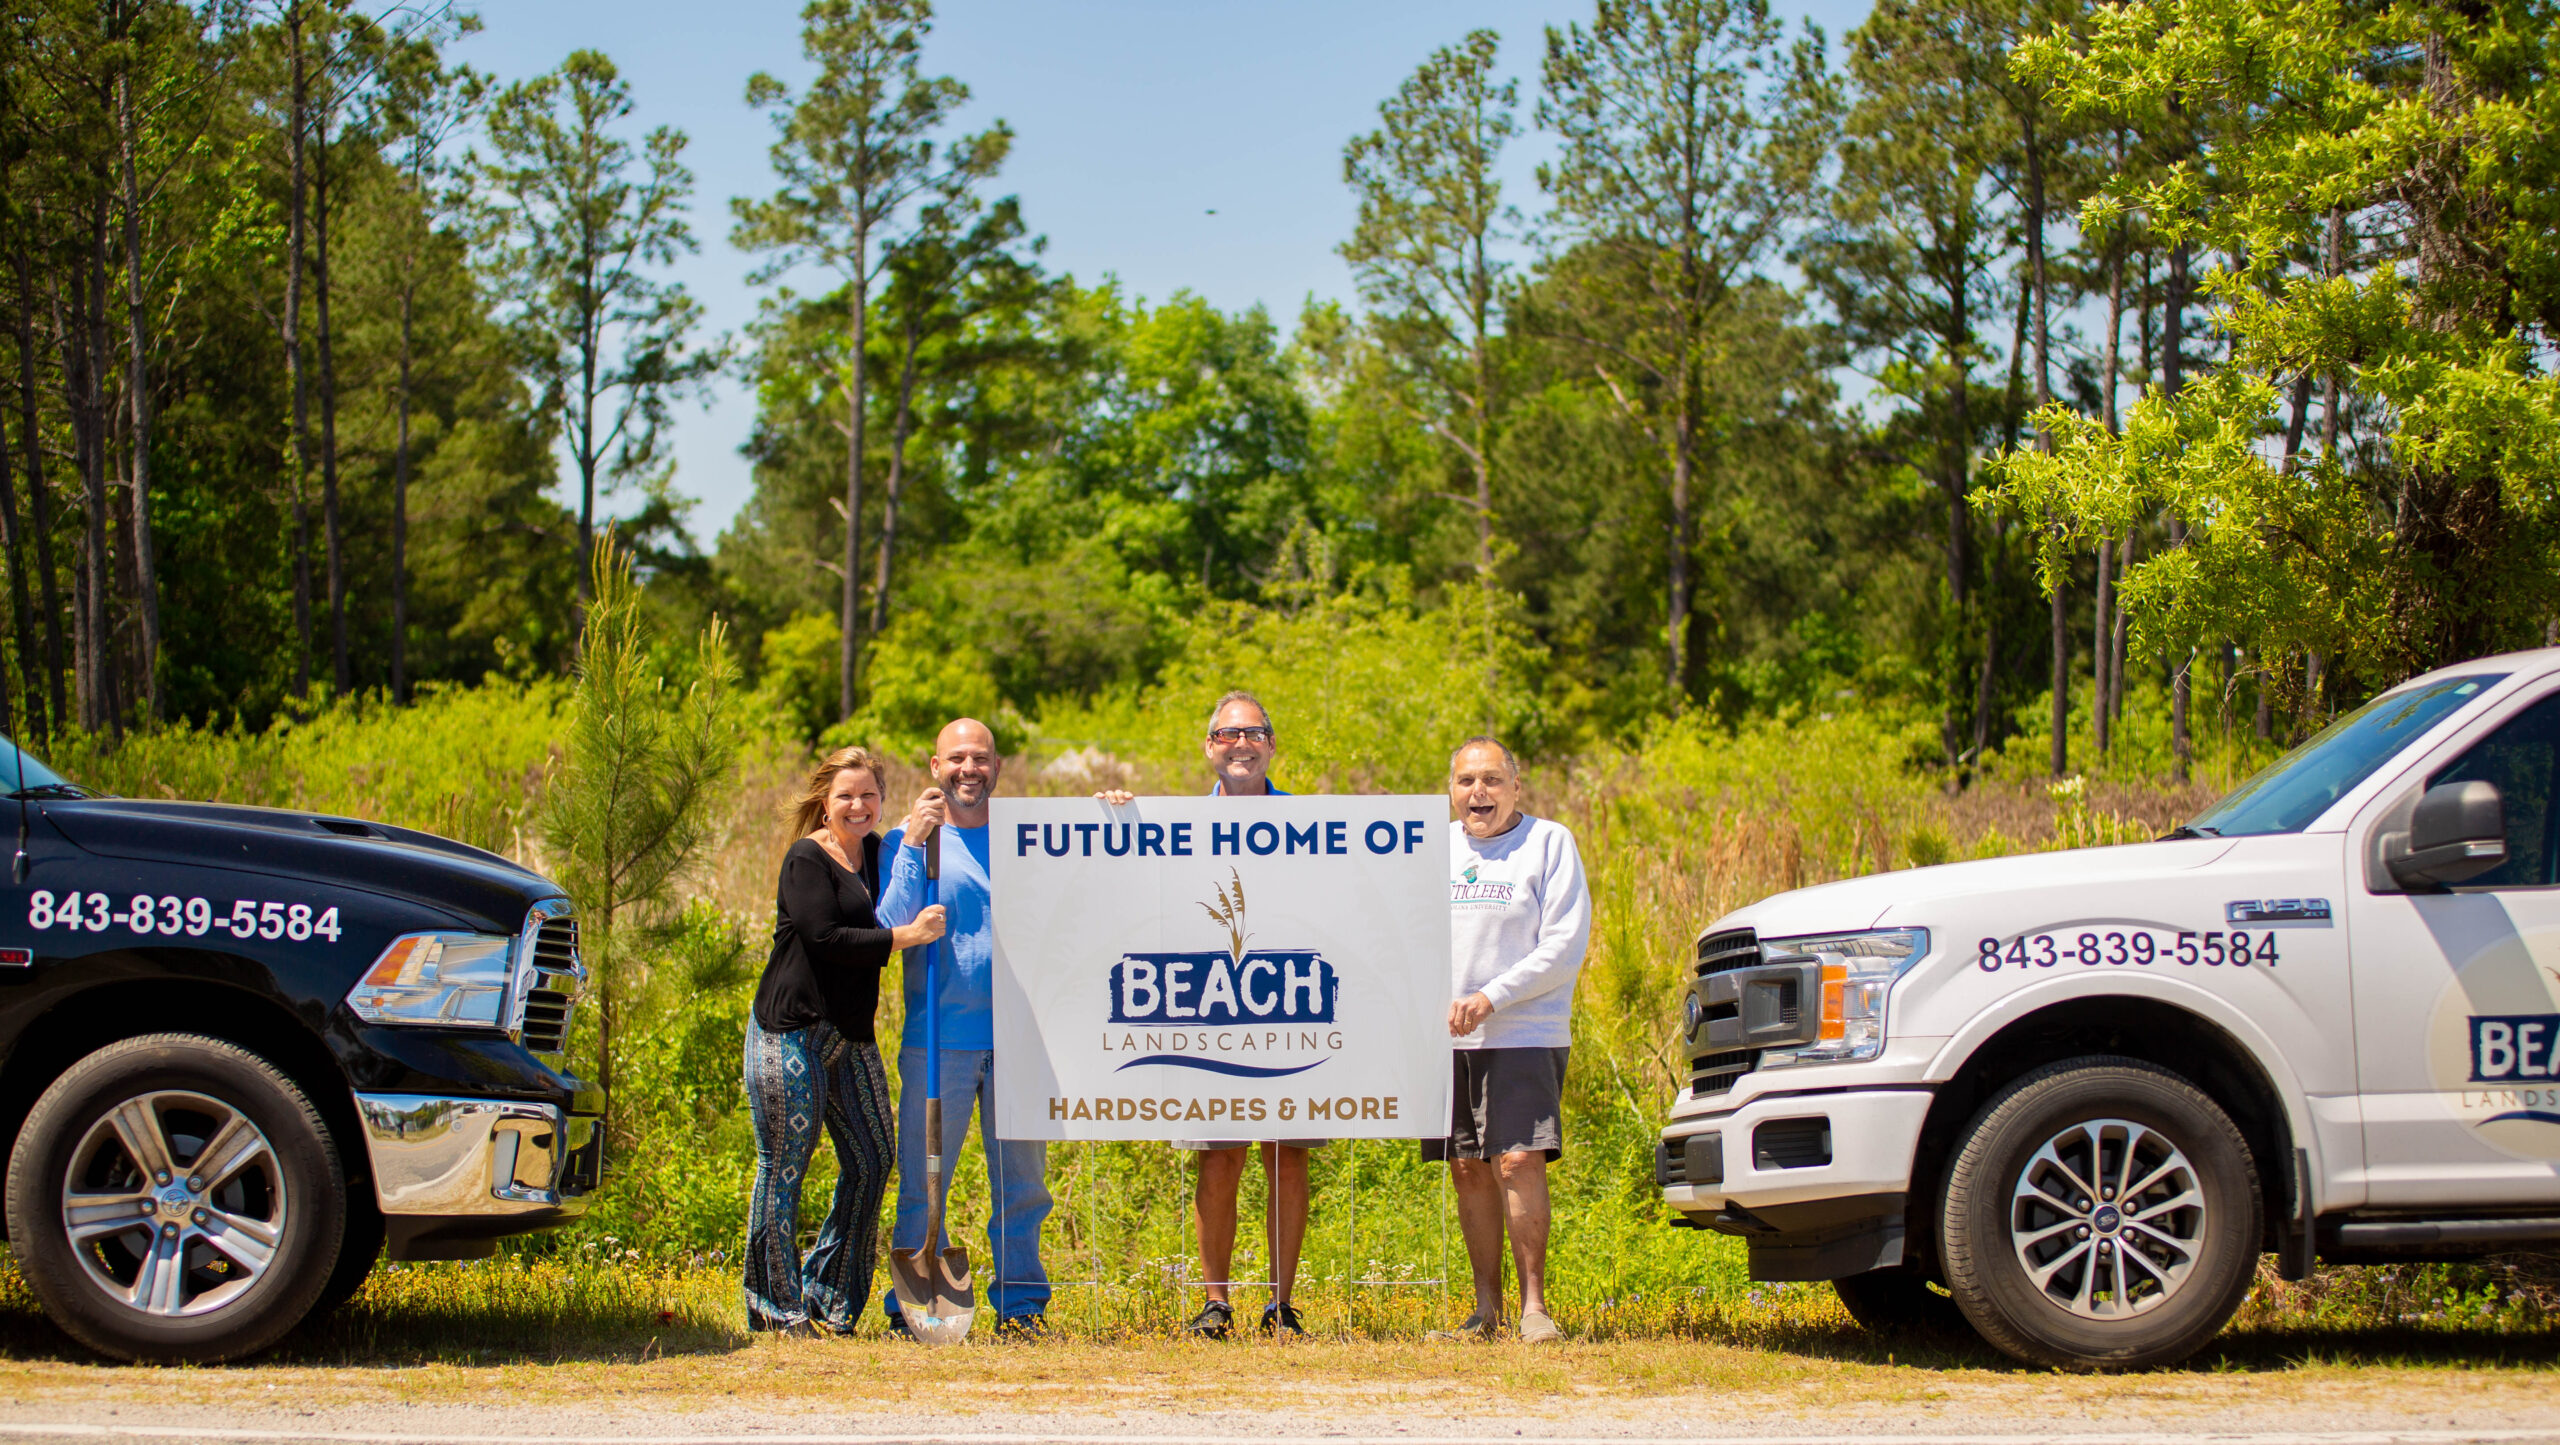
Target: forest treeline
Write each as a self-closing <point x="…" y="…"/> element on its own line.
<point x="2010" y="361"/>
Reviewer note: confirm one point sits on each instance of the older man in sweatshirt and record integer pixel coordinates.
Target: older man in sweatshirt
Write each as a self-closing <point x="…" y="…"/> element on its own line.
<point x="1519" y="921"/>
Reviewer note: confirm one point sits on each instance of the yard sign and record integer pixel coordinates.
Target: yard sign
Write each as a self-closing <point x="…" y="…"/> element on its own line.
<point x="1221" y="968"/>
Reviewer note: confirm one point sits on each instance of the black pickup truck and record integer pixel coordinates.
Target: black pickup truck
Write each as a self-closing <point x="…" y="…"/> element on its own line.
<point x="244" y="1051"/>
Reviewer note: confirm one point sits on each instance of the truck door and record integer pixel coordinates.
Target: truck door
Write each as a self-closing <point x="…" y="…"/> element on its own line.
<point x="2457" y="995"/>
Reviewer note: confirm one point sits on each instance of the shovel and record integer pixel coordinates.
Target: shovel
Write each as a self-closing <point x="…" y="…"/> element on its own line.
<point x="933" y="1286"/>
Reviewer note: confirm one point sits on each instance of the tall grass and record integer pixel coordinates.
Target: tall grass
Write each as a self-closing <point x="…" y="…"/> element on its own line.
<point x="1677" y="828"/>
<point x="465" y="762"/>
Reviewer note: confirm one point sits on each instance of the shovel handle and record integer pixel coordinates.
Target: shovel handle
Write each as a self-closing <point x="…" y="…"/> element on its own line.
<point x="932" y="1175"/>
<point x="933" y="859"/>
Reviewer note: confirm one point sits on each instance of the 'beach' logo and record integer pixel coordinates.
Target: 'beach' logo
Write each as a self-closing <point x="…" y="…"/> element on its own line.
<point x="1258" y="993"/>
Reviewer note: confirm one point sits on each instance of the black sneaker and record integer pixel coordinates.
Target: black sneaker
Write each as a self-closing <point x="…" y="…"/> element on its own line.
<point x="1215" y="1319"/>
<point x="1027" y="1329"/>
<point x="898" y="1326"/>
<point x="1281" y="1318"/>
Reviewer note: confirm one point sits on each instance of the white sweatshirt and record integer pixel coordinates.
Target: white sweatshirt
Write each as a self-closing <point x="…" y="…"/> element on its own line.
<point x="1519" y="920"/>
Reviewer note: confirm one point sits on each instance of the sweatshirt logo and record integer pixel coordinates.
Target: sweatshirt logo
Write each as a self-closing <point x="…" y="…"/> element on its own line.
<point x="1466" y="889"/>
<point x="1262" y="994"/>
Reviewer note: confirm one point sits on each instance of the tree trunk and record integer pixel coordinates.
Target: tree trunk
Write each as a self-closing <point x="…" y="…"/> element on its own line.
<point x="298" y="120"/>
<point x="2173" y="346"/>
<point x="2298" y="409"/>
<point x="849" y="644"/>
<point x="2337" y="265"/>
<point x="2060" y="758"/>
<point x="2116" y="648"/>
<point x="340" y="672"/>
<point x="2100" y="654"/>
<point x="1483" y="457"/>
<point x="138" y="387"/>
<point x="82" y="350"/>
<point x="1683" y="468"/>
<point x="2110" y="381"/>
<point x="588" y="341"/>
<point x="898" y="430"/>
<point x="400" y="504"/>
<point x="18" y="613"/>
<point x="1955" y="465"/>
<point x="39" y="496"/>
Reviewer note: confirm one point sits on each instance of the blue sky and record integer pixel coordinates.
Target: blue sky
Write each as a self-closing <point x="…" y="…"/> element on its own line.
<point x="1134" y="120"/>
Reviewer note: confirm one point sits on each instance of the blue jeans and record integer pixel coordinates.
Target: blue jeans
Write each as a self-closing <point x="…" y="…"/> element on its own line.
<point x="798" y="1081"/>
<point x="1017" y="1173"/>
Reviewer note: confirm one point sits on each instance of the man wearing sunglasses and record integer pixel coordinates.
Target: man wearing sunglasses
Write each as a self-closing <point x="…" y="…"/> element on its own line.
<point x="1239" y="744"/>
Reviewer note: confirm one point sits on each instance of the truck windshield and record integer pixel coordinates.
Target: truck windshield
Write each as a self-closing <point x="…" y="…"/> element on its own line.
<point x="21" y="772"/>
<point x="2300" y="786"/>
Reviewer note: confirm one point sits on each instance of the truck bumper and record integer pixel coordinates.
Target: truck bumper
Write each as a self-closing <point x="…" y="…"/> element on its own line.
<point x="455" y="1175"/>
<point x="1816" y="1184"/>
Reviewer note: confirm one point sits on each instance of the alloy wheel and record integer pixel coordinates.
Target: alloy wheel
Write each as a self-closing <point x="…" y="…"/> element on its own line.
<point x="174" y="1203"/>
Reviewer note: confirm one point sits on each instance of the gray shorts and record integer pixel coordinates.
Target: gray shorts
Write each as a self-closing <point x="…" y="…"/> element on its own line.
<point x="1205" y="1146"/>
<point x="1503" y="1101"/>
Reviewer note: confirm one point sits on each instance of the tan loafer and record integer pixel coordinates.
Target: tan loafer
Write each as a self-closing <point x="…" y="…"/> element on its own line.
<point x="1537" y="1329"/>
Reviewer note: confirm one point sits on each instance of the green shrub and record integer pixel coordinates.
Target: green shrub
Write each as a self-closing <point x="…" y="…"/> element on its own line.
<point x="465" y="762"/>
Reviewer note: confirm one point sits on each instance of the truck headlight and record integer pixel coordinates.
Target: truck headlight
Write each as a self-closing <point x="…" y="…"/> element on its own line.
<point x="1858" y="970"/>
<point x="456" y="980"/>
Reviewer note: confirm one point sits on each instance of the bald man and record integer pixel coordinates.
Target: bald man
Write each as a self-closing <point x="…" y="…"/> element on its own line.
<point x="965" y="766"/>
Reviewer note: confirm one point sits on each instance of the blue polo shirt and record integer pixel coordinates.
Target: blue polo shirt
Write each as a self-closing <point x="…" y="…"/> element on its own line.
<point x="1270" y="789"/>
<point x="968" y="969"/>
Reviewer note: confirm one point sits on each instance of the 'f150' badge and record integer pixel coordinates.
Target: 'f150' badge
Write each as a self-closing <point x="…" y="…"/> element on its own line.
<point x="2264" y="912"/>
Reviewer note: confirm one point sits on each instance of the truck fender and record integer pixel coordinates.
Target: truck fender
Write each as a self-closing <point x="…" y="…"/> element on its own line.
<point x="1960" y="1047"/>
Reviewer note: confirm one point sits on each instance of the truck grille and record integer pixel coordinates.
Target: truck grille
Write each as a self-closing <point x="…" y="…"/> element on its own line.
<point x="1712" y="1074"/>
<point x="546" y="1010"/>
<point x="1734" y="948"/>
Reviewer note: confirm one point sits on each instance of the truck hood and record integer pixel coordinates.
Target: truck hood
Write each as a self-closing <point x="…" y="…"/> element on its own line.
<point x="1905" y="897"/>
<point x="472" y="886"/>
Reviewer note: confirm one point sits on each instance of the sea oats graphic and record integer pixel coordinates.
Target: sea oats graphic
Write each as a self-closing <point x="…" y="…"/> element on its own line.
<point x="1230" y="912"/>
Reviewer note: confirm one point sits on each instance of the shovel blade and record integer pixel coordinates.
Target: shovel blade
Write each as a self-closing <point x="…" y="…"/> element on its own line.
<point x="934" y="1293"/>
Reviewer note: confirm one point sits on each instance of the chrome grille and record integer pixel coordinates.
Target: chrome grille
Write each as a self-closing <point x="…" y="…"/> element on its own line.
<point x="555" y="945"/>
<point x="553" y="995"/>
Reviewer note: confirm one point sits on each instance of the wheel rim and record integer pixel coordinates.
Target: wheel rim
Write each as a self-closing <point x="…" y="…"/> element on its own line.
<point x="174" y="1203"/>
<point x="2108" y="1219"/>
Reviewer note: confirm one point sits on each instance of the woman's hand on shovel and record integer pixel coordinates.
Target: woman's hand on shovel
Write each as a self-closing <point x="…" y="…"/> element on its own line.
<point x="927" y="927"/>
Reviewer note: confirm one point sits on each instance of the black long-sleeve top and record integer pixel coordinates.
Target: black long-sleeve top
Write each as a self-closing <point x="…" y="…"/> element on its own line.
<point x="828" y="945"/>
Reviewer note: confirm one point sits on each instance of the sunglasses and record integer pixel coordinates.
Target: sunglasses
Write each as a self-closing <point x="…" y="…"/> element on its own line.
<point x="1239" y="735"/>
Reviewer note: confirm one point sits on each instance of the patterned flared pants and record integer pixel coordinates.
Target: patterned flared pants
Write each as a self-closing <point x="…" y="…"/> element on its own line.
<point x="797" y="1080"/>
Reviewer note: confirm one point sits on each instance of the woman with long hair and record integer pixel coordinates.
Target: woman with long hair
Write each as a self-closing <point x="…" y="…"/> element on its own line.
<point x="811" y="1058"/>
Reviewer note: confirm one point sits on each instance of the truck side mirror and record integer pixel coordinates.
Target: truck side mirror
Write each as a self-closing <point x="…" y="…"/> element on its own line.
<point x="2457" y="831"/>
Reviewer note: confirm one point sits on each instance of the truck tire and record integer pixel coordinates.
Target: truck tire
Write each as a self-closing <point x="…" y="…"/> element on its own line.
<point x="175" y="1198"/>
<point x="1899" y="1303"/>
<point x="2101" y="1214"/>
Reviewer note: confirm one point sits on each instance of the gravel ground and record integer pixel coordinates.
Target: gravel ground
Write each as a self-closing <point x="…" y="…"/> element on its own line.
<point x="787" y="1391"/>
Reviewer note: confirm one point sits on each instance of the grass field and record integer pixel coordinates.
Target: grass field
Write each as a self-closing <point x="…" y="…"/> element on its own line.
<point x="1690" y="823"/>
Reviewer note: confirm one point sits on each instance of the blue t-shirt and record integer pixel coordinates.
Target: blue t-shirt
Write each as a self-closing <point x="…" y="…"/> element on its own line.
<point x="968" y="966"/>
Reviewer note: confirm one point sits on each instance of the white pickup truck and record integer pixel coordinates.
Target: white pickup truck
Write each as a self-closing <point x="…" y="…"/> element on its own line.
<point x="2070" y="1098"/>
